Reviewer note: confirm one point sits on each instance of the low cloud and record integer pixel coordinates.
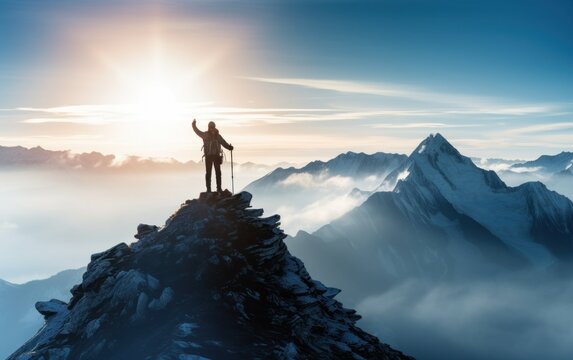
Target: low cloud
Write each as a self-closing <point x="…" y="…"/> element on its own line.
<point x="503" y="319"/>
<point x="523" y="169"/>
<point x="560" y="184"/>
<point x="54" y="220"/>
<point x="322" y="180"/>
<point x="308" y="201"/>
<point x="318" y="213"/>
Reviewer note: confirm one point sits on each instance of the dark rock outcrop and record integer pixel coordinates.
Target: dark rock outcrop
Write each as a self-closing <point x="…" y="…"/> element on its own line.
<point x="216" y="282"/>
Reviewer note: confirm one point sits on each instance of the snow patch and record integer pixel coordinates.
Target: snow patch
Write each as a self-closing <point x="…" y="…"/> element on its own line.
<point x="404" y="174"/>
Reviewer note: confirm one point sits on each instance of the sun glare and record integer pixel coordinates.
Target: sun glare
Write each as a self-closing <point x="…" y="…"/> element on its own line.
<point x="159" y="90"/>
<point x="157" y="101"/>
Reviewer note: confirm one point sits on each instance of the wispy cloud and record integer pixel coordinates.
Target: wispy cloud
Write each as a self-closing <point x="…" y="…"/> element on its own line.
<point x="424" y="103"/>
<point x="423" y="126"/>
<point x="106" y="114"/>
<point x="341" y="86"/>
<point x="458" y="103"/>
<point x="556" y="126"/>
<point x="70" y="120"/>
<point x="102" y="114"/>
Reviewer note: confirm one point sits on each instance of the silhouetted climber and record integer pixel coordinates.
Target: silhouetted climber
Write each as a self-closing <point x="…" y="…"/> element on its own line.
<point x="213" y="154"/>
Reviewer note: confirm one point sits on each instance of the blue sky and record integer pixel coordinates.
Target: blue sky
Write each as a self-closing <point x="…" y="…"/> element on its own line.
<point x="288" y="80"/>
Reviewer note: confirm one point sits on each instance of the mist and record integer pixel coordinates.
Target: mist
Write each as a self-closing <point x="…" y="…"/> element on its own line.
<point x="526" y="316"/>
<point x="561" y="184"/>
<point x="308" y="201"/>
<point x="52" y="220"/>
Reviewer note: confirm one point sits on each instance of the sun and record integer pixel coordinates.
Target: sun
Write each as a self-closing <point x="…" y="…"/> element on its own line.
<point x="157" y="101"/>
<point x="159" y="94"/>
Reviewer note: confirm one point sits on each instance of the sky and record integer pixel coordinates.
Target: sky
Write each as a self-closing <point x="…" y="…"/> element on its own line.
<point x="287" y="80"/>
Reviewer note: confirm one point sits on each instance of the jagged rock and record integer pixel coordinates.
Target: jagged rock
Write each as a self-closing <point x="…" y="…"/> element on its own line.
<point x="216" y="282"/>
<point x="144" y="229"/>
<point x="50" y="308"/>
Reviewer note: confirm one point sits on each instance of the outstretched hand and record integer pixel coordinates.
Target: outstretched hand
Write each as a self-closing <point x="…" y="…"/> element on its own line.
<point x="194" y="121"/>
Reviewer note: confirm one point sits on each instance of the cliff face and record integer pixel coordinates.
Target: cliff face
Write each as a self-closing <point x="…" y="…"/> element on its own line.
<point x="216" y="282"/>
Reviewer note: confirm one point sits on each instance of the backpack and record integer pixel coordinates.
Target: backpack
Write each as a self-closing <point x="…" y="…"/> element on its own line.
<point x="212" y="146"/>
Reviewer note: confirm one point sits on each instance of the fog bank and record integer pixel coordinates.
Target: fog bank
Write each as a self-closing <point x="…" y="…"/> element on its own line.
<point x="528" y="317"/>
<point x="54" y="220"/>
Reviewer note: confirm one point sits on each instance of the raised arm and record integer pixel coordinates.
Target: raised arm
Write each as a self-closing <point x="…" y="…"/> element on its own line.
<point x="199" y="133"/>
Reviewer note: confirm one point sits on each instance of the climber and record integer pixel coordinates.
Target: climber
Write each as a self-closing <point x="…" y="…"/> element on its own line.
<point x="213" y="154"/>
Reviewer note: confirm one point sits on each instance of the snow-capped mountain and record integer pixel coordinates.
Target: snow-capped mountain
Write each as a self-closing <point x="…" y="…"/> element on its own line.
<point x="506" y="211"/>
<point x="18" y="318"/>
<point x="350" y="164"/>
<point x="445" y="218"/>
<point x="311" y="196"/>
<point x="550" y="164"/>
<point x="552" y="170"/>
<point x="216" y="282"/>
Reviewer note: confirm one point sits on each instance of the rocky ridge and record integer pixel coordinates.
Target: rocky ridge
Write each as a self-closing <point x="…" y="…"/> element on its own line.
<point x="216" y="282"/>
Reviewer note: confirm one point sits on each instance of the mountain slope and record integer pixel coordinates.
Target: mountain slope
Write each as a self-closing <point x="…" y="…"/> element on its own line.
<point x="216" y="282"/>
<point x="18" y="318"/>
<point x="445" y="218"/>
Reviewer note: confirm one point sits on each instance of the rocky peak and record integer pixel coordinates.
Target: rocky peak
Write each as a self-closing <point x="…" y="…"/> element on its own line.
<point x="435" y="145"/>
<point x="216" y="282"/>
<point x="433" y="141"/>
<point x="437" y="161"/>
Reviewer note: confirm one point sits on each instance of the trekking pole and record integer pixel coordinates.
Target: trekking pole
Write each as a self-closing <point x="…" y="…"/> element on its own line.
<point x="232" y="175"/>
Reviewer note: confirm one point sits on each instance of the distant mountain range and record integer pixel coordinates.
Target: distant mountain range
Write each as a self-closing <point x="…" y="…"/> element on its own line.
<point x="39" y="158"/>
<point x="350" y="164"/>
<point x="555" y="171"/>
<point x="18" y="156"/>
<point x="552" y="164"/>
<point x="445" y="218"/>
<point x="19" y="319"/>
<point x="310" y="196"/>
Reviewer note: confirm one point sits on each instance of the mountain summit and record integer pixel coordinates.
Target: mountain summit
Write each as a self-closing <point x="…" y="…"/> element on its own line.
<point x="216" y="282"/>
<point x="445" y="219"/>
<point x="530" y="218"/>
